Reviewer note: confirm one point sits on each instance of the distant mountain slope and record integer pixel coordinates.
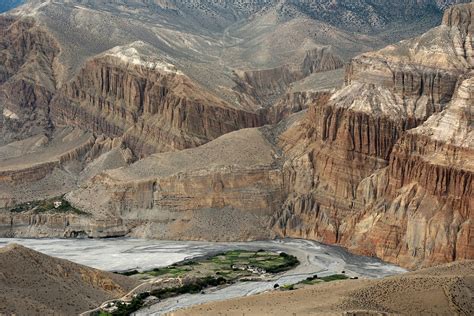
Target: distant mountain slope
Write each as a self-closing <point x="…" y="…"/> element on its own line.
<point x="6" y="5"/>
<point x="32" y="283"/>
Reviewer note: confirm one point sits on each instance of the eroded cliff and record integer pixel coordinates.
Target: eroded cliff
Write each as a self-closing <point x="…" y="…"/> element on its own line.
<point x="128" y="91"/>
<point x="383" y="167"/>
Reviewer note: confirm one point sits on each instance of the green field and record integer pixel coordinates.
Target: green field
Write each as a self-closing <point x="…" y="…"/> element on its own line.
<point x="47" y="206"/>
<point x="231" y="265"/>
<point x="218" y="270"/>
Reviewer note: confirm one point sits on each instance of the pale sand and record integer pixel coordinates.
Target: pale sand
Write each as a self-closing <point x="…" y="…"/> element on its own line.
<point x="444" y="290"/>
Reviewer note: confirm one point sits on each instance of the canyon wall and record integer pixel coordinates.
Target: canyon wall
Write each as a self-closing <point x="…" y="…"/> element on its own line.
<point x="153" y="108"/>
<point x="266" y="86"/>
<point x="383" y="167"/>
<point x="227" y="189"/>
<point x="27" y="85"/>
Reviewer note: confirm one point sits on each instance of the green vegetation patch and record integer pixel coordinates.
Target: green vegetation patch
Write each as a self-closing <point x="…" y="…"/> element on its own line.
<point x="231" y="265"/>
<point x="314" y="279"/>
<point x="193" y="287"/>
<point x="171" y="271"/>
<point x="288" y="287"/>
<point x="335" y="277"/>
<point x="200" y="274"/>
<point x="125" y="309"/>
<point x="54" y="205"/>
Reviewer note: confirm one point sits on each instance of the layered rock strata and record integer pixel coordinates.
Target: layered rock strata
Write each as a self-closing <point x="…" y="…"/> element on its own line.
<point x="428" y="189"/>
<point x="224" y="190"/>
<point x="38" y="167"/>
<point x="27" y="84"/>
<point x="266" y="86"/>
<point x="154" y="106"/>
<point x="383" y="167"/>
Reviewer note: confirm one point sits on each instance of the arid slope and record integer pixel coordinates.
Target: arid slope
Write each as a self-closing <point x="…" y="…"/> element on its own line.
<point x="443" y="290"/>
<point x="32" y="283"/>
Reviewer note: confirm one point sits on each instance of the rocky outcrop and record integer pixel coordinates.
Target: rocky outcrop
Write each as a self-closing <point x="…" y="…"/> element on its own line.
<point x="130" y="92"/>
<point x="423" y="71"/>
<point x="27" y="57"/>
<point x="45" y="168"/>
<point x="460" y="17"/>
<point x="433" y="164"/>
<point x="293" y="102"/>
<point x="406" y="200"/>
<point x="265" y="86"/>
<point x="58" y="225"/>
<point x="226" y="190"/>
<point x="383" y="166"/>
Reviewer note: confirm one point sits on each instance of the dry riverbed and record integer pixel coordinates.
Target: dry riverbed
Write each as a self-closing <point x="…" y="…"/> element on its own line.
<point x="126" y="254"/>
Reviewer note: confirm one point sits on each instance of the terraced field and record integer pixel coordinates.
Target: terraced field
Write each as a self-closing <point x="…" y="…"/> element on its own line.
<point x="231" y="265"/>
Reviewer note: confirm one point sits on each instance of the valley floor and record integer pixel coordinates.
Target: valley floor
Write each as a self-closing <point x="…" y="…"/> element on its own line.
<point x="124" y="254"/>
<point x="443" y="290"/>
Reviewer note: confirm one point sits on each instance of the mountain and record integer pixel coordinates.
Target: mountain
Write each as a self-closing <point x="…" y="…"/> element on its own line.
<point x="109" y="82"/>
<point x="380" y="176"/>
<point x="235" y="59"/>
<point x="407" y="294"/>
<point x="366" y="166"/>
<point x="35" y="284"/>
<point x="177" y="120"/>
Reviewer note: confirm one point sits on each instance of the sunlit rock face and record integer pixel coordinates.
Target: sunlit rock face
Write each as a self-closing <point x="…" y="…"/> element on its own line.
<point x="156" y="126"/>
<point x="383" y="167"/>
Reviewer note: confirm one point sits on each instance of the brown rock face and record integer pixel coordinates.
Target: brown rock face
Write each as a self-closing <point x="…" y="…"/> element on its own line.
<point x="369" y="184"/>
<point x="461" y="17"/>
<point x="423" y="71"/>
<point x="267" y="85"/>
<point x="226" y="190"/>
<point x="27" y="56"/>
<point x="39" y="168"/>
<point x="153" y="109"/>
<point x="383" y="167"/>
<point x="431" y="168"/>
<point x="56" y="225"/>
<point x="293" y="102"/>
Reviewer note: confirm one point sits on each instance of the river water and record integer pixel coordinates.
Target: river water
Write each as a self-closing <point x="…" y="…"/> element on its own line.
<point x="120" y="254"/>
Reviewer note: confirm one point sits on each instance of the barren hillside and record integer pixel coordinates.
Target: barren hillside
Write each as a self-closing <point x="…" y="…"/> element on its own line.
<point x="32" y="283"/>
<point x="443" y="290"/>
